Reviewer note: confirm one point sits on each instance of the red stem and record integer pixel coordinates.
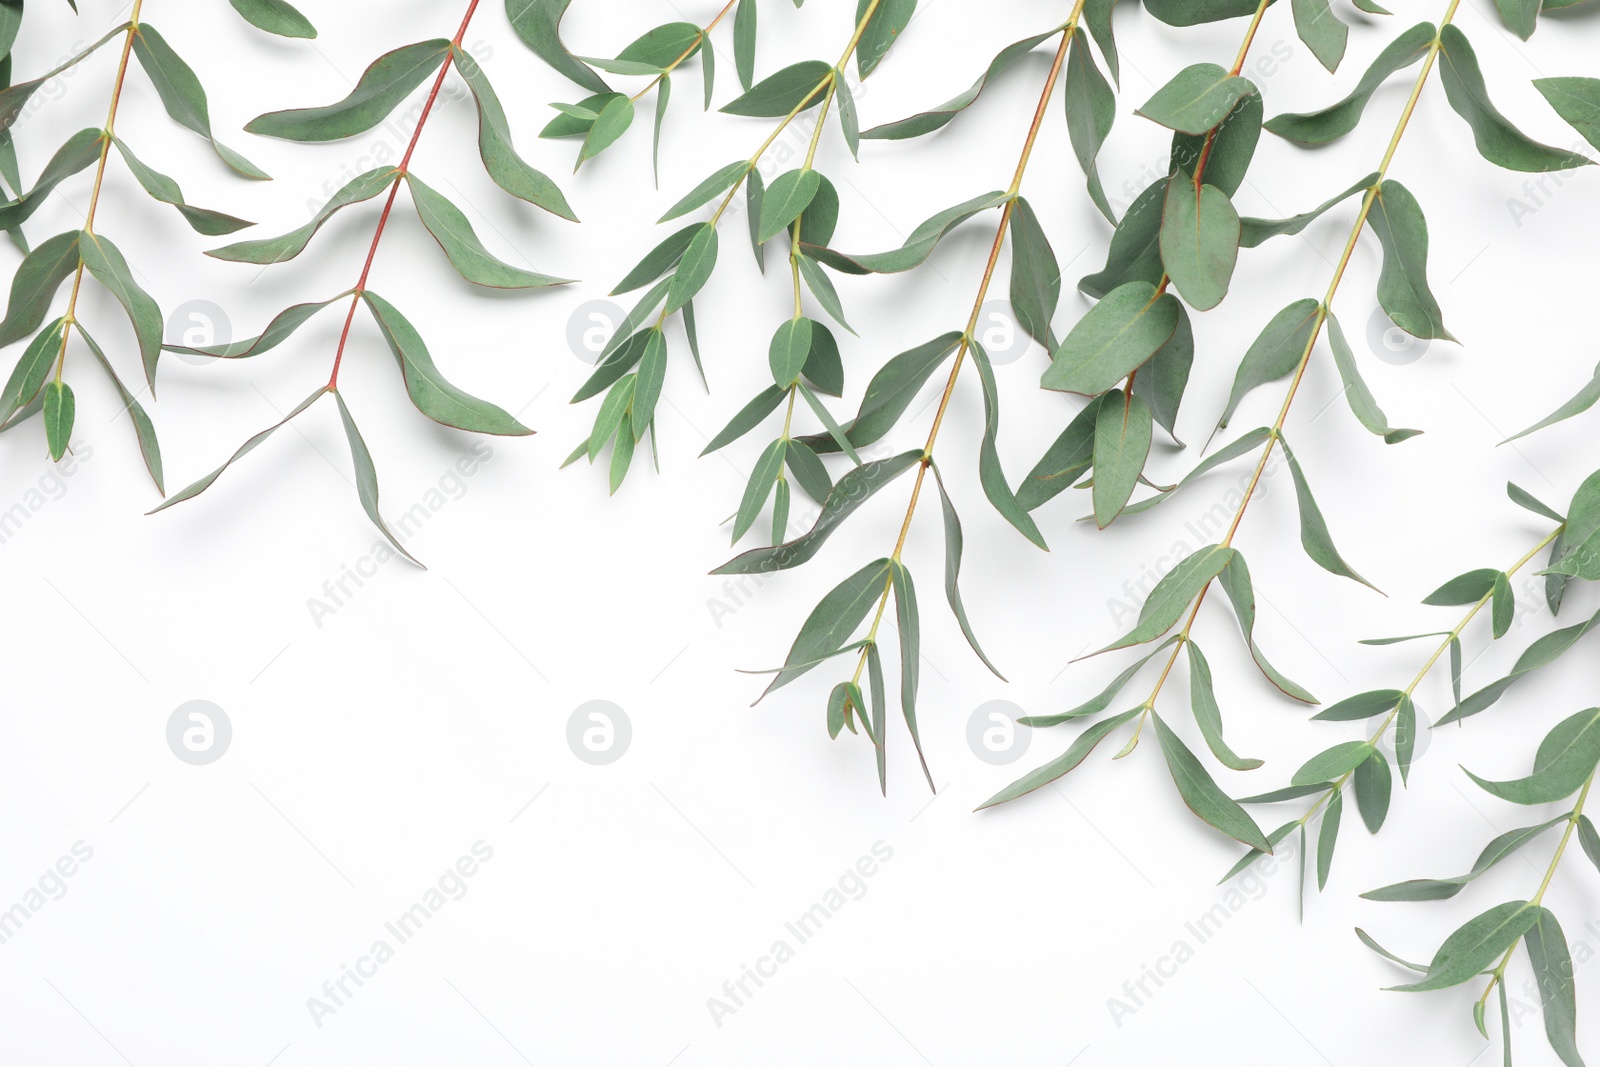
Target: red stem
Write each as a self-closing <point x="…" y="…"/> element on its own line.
<point x="394" y="191"/>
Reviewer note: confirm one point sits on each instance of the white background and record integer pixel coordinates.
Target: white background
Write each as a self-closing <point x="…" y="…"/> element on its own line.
<point x="430" y="711"/>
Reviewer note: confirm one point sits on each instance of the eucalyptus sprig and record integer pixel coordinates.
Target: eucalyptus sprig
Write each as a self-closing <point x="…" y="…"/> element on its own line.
<point x="383" y="86"/>
<point x="1361" y="767"/>
<point x="1284" y="349"/>
<point x="804" y="354"/>
<point x="38" y="381"/>
<point x="1484" y="946"/>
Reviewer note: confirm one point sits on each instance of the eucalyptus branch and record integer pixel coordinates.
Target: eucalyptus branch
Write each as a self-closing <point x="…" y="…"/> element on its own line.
<point x="385" y="84"/>
<point x="1485" y="945"/>
<point x="38" y="381"/>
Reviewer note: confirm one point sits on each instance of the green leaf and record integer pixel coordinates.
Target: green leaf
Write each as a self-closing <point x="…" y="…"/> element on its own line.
<point x="249" y="446"/>
<point x="745" y="22"/>
<point x="826" y="295"/>
<point x="34" y="285"/>
<point x="759" y="487"/>
<point x="162" y="188"/>
<point x="277" y="249"/>
<point x="1174" y="593"/>
<point x="81" y="150"/>
<point x="660" y="259"/>
<point x="1101" y="701"/>
<point x="787" y="353"/>
<point x="1367" y="940"/>
<point x="880" y="32"/>
<point x="1501" y="847"/>
<point x="105" y="261"/>
<point x="1504" y="607"/>
<point x="1581" y="536"/>
<point x="1196" y="12"/>
<point x="647" y="389"/>
<point x="1552" y="973"/>
<point x="538" y="24"/>
<point x="1540" y="653"/>
<point x="856" y="487"/>
<point x="1134" y="254"/>
<point x="849" y="118"/>
<point x="1403" y="290"/>
<point x="608" y="420"/>
<point x="1566" y="759"/>
<point x="1113" y="339"/>
<point x="449" y="226"/>
<point x="909" y="621"/>
<point x="1122" y="436"/>
<point x="1254" y="232"/>
<point x="891" y="391"/>
<point x="718" y="183"/>
<point x="1468" y="588"/>
<point x="1091" y="110"/>
<point x="1373" y="786"/>
<point x="1241" y="594"/>
<point x="1590" y="839"/>
<point x="1207" y="713"/>
<point x="936" y="118"/>
<point x="1577" y="100"/>
<point x="1333" y="122"/>
<point x="1476" y="946"/>
<point x="1520" y="16"/>
<point x="282" y="326"/>
<point x="748" y="418"/>
<point x="367" y="477"/>
<point x="1328" y="838"/>
<point x="1497" y="139"/>
<point x="60" y="409"/>
<point x="1067" y="457"/>
<point x="953" y="542"/>
<point x="429" y="391"/>
<point x="183" y="96"/>
<point x="611" y="123"/>
<point x="29" y="374"/>
<point x="788" y="195"/>
<point x="809" y="471"/>
<point x="1163" y="380"/>
<point x="143" y="428"/>
<point x="990" y="472"/>
<point x="832" y="621"/>
<point x="661" y="47"/>
<point x="1076" y="754"/>
<point x="1314" y="535"/>
<point x="275" y="16"/>
<point x="1361" y="400"/>
<point x="694" y="269"/>
<point x="1199" y="241"/>
<point x="1035" y="275"/>
<point x="1274" y="839"/>
<point x="1361" y="706"/>
<point x="504" y="166"/>
<point x="916" y="249"/>
<point x="1196" y="99"/>
<point x="755" y="191"/>
<point x="13" y="98"/>
<point x="621" y="460"/>
<point x="1405" y="736"/>
<point x="1097" y="20"/>
<point x="1201" y="793"/>
<point x="1248" y="443"/>
<point x="1576" y="406"/>
<point x="1276" y="352"/>
<point x="776" y="96"/>
<point x="1321" y="31"/>
<point x="845" y="695"/>
<point x="1233" y="146"/>
<point x="1332" y="763"/>
<point x="663" y="95"/>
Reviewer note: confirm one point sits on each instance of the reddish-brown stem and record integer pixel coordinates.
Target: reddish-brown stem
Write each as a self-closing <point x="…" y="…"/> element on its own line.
<point x="394" y="190"/>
